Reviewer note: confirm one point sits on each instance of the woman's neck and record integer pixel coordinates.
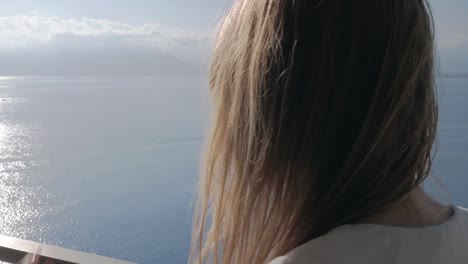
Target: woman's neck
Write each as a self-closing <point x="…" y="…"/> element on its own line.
<point x="416" y="210"/>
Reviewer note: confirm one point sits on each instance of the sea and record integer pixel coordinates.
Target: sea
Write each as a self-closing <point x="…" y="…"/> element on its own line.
<point x="108" y="165"/>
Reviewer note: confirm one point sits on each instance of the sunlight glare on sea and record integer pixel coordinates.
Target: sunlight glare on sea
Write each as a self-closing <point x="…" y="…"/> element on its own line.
<point x="22" y="195"/>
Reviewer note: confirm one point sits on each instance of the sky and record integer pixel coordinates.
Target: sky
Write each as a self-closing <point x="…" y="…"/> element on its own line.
<point x="163" y="36"/>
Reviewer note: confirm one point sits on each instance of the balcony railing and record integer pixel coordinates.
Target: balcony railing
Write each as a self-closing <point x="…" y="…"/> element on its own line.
<point x="13" y="250"/>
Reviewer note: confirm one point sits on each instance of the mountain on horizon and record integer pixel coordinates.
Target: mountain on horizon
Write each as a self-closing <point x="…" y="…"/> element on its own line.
<point x="105" y="60"/>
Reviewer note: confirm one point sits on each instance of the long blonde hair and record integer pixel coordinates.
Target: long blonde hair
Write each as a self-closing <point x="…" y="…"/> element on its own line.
<point x="323" y="113"/>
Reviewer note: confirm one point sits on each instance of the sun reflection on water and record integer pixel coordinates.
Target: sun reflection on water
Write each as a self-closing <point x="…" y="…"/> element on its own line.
<point x="7" y="78"/>
<point x="21" y="196"/>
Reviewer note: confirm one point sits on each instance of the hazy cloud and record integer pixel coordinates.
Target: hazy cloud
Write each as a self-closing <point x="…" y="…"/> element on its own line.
<point x="24" y="31"/>
<point x="32" y="44"/>
<point x="457" y="41"/>
<point x="453" y="53"/>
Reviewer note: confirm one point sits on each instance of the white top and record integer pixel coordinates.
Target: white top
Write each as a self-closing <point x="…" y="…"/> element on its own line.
<point x="372" y="243"/>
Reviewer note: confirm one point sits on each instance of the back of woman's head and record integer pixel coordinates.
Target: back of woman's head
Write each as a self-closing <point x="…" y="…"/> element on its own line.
<point x="324" y="112"/>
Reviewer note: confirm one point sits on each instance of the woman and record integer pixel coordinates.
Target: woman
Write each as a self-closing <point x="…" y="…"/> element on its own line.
<point x="324" y="120"/>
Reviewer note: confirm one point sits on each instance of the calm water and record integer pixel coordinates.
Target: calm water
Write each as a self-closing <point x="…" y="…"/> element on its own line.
<point x="108" y="165"/>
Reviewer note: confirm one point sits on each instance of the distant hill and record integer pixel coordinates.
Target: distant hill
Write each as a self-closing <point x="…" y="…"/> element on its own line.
<point x="93" y="61"/>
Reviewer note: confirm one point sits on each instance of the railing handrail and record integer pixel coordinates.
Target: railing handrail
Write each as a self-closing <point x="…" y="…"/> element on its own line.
<point x="14" y="250"/>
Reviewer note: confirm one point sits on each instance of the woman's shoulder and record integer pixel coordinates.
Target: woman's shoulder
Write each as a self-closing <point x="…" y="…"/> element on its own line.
<point x="371" y="243"/>
<point x="328" y="249"/>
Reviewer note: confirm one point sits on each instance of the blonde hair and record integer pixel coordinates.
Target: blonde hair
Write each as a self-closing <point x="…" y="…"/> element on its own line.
<point x="323" y="112"/>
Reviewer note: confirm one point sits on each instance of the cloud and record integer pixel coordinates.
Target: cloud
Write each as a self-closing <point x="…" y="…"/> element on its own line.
<point x="37" y="45"/>
<point x="453" y="53"/>
<point x="457" y="41"/>
<point x="30" y="31"/>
